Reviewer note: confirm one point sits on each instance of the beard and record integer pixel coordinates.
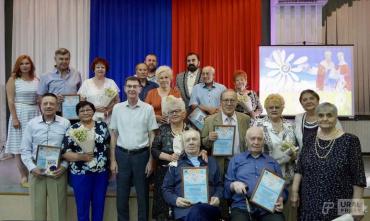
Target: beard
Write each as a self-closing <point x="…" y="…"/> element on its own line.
<point x="192" y="67"/>
<point x="152" y="68"/>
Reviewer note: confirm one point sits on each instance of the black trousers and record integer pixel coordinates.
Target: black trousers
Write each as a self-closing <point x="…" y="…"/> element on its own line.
<point x="131" y="168"/>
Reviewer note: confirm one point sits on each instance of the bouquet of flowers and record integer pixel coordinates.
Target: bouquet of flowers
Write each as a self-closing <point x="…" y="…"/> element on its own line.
<point x="109" y="94"/>
<point x="289" y="148"/>
<point x="177" y="148"/>
<point x="84" y="138"/>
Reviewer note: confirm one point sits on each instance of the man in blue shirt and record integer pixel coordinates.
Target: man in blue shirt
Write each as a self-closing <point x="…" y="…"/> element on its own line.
<point x="172" y="184"/>
<point x="242" y="176"/>
<point x="206" y="95"/>
<point x="62" y="79"/>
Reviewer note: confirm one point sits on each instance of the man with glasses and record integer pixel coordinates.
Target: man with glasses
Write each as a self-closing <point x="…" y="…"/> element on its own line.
<point x="227" y="116"/>
<point x="206" y="95"/>
<point x="132" y="132"/>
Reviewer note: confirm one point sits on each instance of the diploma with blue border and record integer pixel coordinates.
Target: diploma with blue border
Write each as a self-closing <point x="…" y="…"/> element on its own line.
<point x="48" y="159"/>
<point x="224" y="145"/>
<point x="195" y="184"/>
<point x="69" y="106"/>
<point x="197" y="118"/>
<point x="268" y="190"/>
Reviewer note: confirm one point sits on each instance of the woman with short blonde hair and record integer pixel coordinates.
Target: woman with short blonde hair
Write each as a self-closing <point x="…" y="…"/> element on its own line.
<point x="164" y="75"/>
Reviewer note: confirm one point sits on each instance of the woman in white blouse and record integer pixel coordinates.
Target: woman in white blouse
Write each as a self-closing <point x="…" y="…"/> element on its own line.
<point x="98" y="90"/>
<point x="279" y="135"/>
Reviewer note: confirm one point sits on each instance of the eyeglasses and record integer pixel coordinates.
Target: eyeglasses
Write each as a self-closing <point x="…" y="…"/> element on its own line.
<point x="86" y="110"/>
<point x="274" y="107"/>
<point x="174" y="112"/>
<point x="229" y="101"/>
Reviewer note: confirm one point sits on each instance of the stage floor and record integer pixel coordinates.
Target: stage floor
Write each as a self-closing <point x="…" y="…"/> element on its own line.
<point x="10" y="181"/>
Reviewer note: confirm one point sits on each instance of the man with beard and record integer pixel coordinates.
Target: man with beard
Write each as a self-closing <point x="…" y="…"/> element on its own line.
<point x="146" y="85"/>
<point x="185" y="81"/>
<point x="151" y="62"/>
<point x="206" y="95"/>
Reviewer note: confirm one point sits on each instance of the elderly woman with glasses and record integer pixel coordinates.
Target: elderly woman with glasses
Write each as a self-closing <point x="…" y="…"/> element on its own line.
<point x="166" y="149"/>
<point x="329" y="169"/>
<point x="278" y="135"/>
<point x="85" y="146"/>
<point x="280" y="141"/>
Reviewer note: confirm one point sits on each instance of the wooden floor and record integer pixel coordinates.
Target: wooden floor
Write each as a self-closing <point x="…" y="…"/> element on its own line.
<point x="15" y="201"/>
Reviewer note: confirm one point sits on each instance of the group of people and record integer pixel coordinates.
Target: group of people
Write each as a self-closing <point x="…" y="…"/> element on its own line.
<point x="149" y="135"/>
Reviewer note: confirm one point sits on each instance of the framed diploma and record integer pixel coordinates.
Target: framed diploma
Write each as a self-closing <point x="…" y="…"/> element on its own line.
<point x="195" y="184"/>
<point x="69" y="106"/>
<point x="48" y="158"/>
<point x="224" y="145"/>
<point x="197" y="118"/>
<point x="268" y="190"/>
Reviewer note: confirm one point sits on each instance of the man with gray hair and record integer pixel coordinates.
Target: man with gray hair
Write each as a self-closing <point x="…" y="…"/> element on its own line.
<point x="62" y="79"/>
<point x="242" y="176"/>
<point x="206" y="95"/>
<point x="172" y="184"/>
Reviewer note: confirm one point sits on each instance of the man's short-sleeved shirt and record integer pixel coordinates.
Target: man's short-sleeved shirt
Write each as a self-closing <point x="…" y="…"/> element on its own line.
<point x="133" y="124"/>
<point x="207" y="96"/>
<point x="52" y="82"/>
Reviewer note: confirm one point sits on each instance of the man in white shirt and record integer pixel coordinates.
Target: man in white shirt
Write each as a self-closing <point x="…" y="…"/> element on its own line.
<point x="185" y="81"/>
<point x="132" y="132"/>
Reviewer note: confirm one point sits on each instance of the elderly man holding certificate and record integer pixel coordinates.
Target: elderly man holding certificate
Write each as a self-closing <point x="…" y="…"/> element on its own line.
<point x="224" y="131"/>
<point x="256" y="177"/>
<point x="48" y="180"/>
<point x="194" y="187"/>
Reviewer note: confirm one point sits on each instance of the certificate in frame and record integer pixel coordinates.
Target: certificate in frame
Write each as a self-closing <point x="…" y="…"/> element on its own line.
<point x="268" y="190"/>
<point x="48" y="158"/>
<point x="224" y="145"/>
<point x="69" y="106"/>
<point x="195" y="184"/>
<point x="197" y="118"/>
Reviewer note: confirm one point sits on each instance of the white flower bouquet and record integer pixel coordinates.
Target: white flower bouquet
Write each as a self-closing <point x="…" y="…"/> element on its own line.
<point x="289" y="148"/>
<point x="84" y="138"/>
<point x="177" y="148"/>
<point x="109" y="94"/>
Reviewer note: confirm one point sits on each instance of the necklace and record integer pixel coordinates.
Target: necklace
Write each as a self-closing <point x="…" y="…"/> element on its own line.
<point x="329" y="146"/>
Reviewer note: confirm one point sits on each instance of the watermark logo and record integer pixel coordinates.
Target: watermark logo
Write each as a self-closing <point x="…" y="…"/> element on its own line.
<point x="326" y="207"/>
<point x="355" y="207"/>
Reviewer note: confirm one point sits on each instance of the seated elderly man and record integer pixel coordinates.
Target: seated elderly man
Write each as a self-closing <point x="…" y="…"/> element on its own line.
<point x="241" y="178"/>
<point x="172" y="184"/>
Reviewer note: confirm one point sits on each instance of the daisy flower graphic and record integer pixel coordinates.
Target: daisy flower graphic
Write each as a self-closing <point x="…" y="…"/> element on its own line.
<point x="284" y="69"/>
